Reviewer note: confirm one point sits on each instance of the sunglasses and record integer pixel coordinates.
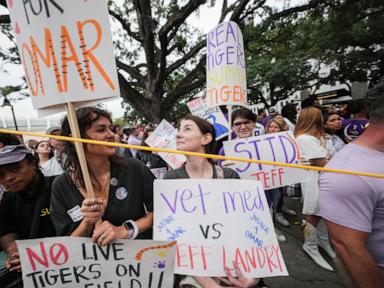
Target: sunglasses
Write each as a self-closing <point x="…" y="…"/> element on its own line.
<point x="245" y="123"/>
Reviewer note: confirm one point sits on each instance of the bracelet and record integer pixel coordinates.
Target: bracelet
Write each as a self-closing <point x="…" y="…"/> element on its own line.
<point x="131" y="225"/>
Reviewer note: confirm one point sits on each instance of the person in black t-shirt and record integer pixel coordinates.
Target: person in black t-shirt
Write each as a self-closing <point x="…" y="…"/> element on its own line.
<point x="123" y="188"/>
<point x="24" y="210"/>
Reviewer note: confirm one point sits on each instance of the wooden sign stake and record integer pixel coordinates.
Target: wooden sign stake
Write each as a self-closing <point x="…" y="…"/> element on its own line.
<point x="73" y="123"/>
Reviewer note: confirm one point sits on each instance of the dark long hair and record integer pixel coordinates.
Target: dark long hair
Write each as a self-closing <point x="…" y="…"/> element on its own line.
<point x="289" y="112"/>
<point x="243" y="113"/>
<point x="37" y="154"/>
<point x="86" y="117"/>
<point x="9" y="139"/>
<point x="206" y="128"/>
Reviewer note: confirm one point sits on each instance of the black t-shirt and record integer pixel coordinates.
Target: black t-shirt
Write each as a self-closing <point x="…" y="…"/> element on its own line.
<point x="26" y="212"/>
<point x="130" y="196"/>
<point x="181" y="173"/>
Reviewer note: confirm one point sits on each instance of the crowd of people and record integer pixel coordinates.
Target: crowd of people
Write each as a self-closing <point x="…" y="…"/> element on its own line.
<point x="43" y="193"/>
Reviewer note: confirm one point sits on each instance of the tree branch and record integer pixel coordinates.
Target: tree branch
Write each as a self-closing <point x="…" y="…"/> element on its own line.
<point x="186" y="85"/>
<point x="128" y="93"/>
<point x="5" y="19"/>
<point x="179" y="17"/>
<point x="238" y="10"/>
<point x="185" y="58"/>
<point x="133" y="71"/>
<point x="126" y="25"/>
<point x="173" y="23"/>
<point x="145" y="22"/>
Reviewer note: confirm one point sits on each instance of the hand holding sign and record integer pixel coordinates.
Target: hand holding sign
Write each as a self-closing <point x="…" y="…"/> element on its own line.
<point x="13" y="263"/>
<point x="92" y="210"/>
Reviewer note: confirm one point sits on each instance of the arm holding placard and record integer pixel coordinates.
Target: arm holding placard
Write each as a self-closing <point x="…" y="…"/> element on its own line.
<point x="107" y="232"/>
<point x="92" y="211"/>
<point x="131" y="228"/>
<point x="239" y="280"/>
<point x="8" y="244"/>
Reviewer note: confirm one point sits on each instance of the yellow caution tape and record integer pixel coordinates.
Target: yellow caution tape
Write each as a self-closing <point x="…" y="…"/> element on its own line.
<point x="212" y="156"/>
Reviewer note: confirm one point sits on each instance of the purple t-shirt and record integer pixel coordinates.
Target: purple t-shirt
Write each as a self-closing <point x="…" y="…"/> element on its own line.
<point x="356" y="202"/>
<point x="353" y="128"/>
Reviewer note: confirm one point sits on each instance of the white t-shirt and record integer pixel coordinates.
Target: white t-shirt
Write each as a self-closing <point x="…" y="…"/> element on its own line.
<point x="311" y="148"/>
<point x="51" y="168"/>
<point x="258" y="130"/>
<point x="291" y="126"/>
<point x="333" y="144"/>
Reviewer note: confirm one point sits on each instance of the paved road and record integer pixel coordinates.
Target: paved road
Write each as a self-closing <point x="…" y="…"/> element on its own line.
<point x="303" y="272"/>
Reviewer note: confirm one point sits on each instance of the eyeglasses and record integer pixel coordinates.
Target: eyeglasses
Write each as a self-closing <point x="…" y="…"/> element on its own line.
<point x="245" y="123"/>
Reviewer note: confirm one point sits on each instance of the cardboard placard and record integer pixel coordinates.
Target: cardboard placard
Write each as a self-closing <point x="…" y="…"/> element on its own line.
<point x="159" y="172"/>
<point x="164" y="136"/>
<point x="67" y="52"/>
<point x="78" y="262"/>
<point x="277" y="147"/>
<point x="226" y="75"/>
<point x="216" y="222"/>
<point x="213" y="115"/>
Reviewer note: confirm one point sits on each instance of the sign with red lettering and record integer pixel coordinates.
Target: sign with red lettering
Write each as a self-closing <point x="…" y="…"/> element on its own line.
<point x="277" y="147"/>
<point x="66" y="50"/>
<point x="213" y="115"/>
<point x="164" y="136"/>
<point x="226" y="76"/>
<point x="78" y="262"/>
<point x="217" y="222"/>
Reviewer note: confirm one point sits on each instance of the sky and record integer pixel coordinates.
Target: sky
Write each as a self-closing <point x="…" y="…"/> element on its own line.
<point x="205" y="21"/>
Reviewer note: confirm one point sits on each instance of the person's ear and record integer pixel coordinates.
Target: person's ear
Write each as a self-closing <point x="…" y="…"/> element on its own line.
<point x="207" y="138"/>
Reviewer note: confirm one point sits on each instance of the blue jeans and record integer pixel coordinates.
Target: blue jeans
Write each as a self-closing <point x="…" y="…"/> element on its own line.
<point x="274" y="200"/>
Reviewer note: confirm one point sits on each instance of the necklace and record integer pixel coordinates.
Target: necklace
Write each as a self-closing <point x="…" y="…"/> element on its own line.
<point x="104" y="192"/>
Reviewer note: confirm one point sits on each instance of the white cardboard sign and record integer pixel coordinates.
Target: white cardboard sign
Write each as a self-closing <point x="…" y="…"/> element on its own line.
<point x="213" y="115"/>
<point x="226" y="75"/>
<point x="276" y="147"/>
<point x="164" y="136"/>
<point x="66" y="51"/>
<point x="67" y="262"/>
<point x="216" y="222"/>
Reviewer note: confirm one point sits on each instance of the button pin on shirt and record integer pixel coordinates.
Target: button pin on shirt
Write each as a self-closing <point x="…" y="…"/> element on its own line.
<point x="121" y="193"/>
<point x="114" y="182"/>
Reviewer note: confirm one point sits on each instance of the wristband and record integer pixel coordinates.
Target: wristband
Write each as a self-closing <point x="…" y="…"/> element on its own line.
<point x="131" y="225"/>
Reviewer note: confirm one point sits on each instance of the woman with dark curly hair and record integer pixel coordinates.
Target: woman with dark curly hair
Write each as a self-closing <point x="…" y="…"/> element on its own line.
<point x="123" y="187"/>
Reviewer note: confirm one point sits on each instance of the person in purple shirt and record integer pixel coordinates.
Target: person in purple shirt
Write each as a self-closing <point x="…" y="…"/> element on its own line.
<point x="353" y="206"/>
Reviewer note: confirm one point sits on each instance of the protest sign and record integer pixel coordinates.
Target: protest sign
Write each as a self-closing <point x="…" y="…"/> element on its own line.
<point x="78" y="262"/>
<point x="276" y="147"/>
<point x="254" y="108"/>
<point x="159" y="172"/>
<point x="165" y="137"/>
<point x="226" y="76"/>
<point x="216" y="222"/>
<point x="66" y="50"/>
<point x="213" y="115"/>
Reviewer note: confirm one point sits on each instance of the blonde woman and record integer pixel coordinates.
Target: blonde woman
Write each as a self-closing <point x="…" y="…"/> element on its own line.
<point x="310" y="136"/>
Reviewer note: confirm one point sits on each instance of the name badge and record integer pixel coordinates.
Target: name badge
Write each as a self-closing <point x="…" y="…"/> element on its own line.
<point x="75" y="213"/>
